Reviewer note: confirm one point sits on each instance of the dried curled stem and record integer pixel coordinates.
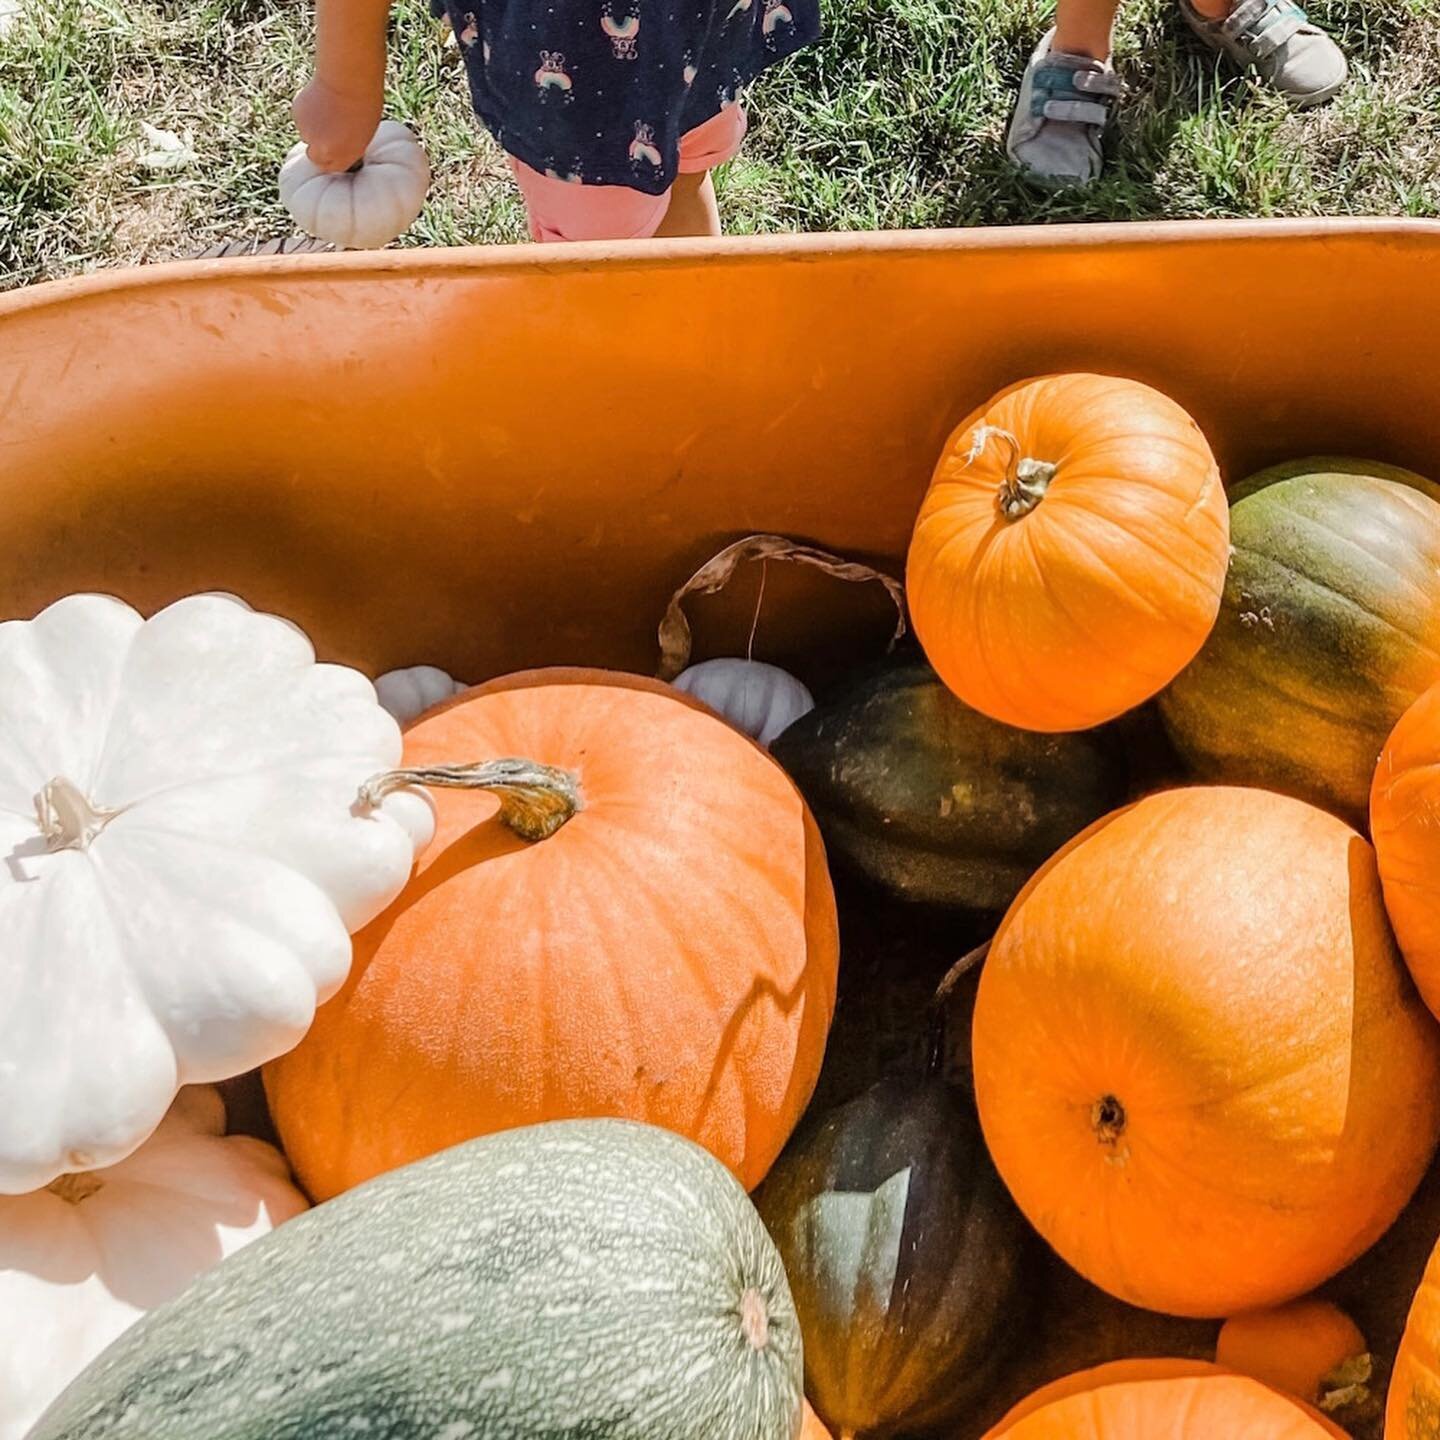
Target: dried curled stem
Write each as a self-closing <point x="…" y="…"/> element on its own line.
<point x="535" y="800"/>
<point x="1026" y="480"/>
<point x="939" y="1028"/>
<point x="715" y="574"/>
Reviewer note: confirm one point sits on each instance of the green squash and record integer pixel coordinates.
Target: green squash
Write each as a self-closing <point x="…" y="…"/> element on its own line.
<point x="935" y="802"/>
<point x="906" y="1258"/>
<point x="583" y="1278"/>
<point x="1329" y="465"/>
<point x="1328" y="630"/>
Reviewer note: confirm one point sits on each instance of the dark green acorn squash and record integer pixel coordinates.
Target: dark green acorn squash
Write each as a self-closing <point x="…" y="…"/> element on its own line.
<point x="1328" y="630"/>
<point x="584" y="1278"/>
<point x="907" y="1260"/>
<point x="936" y="802"/>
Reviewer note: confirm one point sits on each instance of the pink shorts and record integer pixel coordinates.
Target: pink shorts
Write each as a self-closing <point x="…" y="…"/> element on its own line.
<point x="560" y="210"/>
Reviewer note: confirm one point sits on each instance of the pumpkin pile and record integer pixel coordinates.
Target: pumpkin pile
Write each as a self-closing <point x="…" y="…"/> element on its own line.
<point x="1028" y="1032"/>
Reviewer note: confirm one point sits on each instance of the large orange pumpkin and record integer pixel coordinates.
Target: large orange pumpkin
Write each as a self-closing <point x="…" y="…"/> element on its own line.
<point x="1404" y="806"/>
<point x="1070" y="555"/>
<point x="668" y="954"/>
<point x="1162" y="1400"/>
<point x="1412" y="1406"/>
<point x="1200" y="1065"/>
<point x="1309" y="1348"/>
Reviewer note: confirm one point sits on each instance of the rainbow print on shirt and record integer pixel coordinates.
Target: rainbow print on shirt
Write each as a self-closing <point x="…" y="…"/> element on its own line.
<point x="776" y="14"/>
<point x="551" y="74"/>
<point x="623" y="34"/>
<point x="642" y="147"/>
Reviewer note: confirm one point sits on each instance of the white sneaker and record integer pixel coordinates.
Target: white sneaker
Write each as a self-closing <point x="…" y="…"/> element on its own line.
<point x="1276" y="39"/>
<point x="1060" y="116"/>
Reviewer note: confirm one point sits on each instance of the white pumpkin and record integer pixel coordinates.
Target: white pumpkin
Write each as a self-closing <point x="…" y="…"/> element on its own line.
<point x="364" y="208"/>
<point x="760" y="700"/>
<point x="82" y="1260"/>
<point x="411" y="692"/>
<point x="183" y="861"/>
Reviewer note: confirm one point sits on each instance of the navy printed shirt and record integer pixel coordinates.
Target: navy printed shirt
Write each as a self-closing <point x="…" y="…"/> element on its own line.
<point x="600" y="91"/>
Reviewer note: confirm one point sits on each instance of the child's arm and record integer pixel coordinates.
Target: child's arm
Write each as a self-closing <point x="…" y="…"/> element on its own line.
<point x="337" y="112"/>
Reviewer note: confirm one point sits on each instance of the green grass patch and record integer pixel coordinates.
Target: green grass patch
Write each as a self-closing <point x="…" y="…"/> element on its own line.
<point x="897" y="120"/>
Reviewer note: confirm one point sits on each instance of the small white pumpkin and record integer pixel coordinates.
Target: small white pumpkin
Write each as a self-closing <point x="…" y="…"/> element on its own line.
<point x="365" y="208"/>
<point x="82" y="1260"/>
<point x="183" y="861"/>
<point x="760" y="700"/>
<point x="411" y="692"/>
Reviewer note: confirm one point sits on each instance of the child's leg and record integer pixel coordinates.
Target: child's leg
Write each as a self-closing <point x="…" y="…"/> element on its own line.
<point x="1085" y="27"/>
<point x="693" y="209"/>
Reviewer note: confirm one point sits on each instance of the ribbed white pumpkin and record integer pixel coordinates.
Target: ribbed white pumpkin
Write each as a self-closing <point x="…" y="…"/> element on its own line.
<point x="183" y="861"/>
<point x="760" y="700"/>
<point x="80" y="1262"/>
<point x="411" y="692"/>
<point x="359" y="209"/>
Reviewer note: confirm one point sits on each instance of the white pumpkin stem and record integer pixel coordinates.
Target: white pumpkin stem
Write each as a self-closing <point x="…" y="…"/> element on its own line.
<point x="1026" y="480"/>
<point x="68" y="820"/>
<point x="77" y="1187"/>
<point x="535" y="800"/>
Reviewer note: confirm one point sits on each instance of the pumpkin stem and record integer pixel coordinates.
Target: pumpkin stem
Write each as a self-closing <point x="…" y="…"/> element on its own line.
<point x="68" y="820"/>
<point x="1347" y="1386"/>
<point x="77" y="1187"/>
<point x="939" y="1033"/>
<point x="1107" y="1116"/>
<point x="535" y="800"/>
<point x="1026" y="480"/>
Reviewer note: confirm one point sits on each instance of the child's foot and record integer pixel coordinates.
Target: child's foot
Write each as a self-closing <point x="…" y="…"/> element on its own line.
<point x="1060" y="116"/>
<point x="1277" y="40"/>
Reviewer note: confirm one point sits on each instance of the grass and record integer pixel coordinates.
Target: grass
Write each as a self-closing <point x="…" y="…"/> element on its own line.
<point x="897" y="120"/>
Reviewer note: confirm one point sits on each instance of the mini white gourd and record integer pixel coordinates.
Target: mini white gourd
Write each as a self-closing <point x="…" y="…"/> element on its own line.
<point x="82" y="1260"/>
<point x="758" y="699"/>
<point x="363" y="208"/>
<point x="409" y="693"/>
<point x="183" y="861"/>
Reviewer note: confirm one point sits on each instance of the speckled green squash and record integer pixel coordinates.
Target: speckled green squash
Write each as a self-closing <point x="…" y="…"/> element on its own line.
<point x="589" y="1279"/>
<point x="936" y="802"/>
<point x="906" y="1257"/>
<point x="1328" y="630"/>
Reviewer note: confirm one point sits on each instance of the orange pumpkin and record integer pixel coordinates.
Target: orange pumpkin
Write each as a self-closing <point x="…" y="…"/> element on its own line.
<point x="1194" y="1023"/>
<point x="1404" y="803"/>
<point x="1070" y="555"/>
<point x="1162" y="1400"/>
<point x="668" y="954"/>
<point x="1412" y="1406"/>
<point x="811" y="1428"/>
<point x="1311" y="1349"/>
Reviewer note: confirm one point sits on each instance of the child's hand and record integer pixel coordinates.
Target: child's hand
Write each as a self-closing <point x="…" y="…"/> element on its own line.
<point x="336" y="125"/>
